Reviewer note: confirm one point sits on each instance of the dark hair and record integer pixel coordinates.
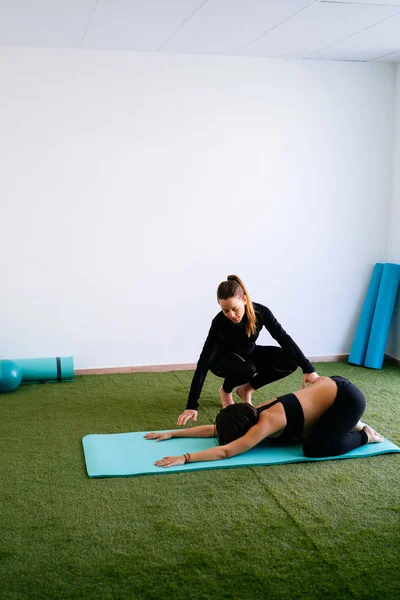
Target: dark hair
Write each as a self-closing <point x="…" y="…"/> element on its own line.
<point x="234" y="287"/>
<point x="234" y="421"/>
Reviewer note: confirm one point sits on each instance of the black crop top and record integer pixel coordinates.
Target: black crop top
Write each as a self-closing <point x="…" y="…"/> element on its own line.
<point x="294" y="419"/>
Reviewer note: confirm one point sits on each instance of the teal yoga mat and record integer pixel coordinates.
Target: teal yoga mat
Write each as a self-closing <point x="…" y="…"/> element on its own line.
<point x="382" y="316"/>
<point x="35" y="370"/>
<point x="127" y="454"/>
<point x="361" y="338"/>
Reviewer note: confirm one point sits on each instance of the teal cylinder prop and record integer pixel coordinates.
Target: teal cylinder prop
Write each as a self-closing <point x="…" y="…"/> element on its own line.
<point x="35" y="370"/>
<point x="10" y="376"/>
<point x="360" y="344"/>
<point x="382" y="316"/>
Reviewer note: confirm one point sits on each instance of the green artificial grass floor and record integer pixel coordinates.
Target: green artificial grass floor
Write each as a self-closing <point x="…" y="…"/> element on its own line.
<point x="304" y="531"/>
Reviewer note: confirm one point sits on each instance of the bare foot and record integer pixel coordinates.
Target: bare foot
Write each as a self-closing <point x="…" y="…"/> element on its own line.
<point x="244" y="392"/>
<point x="359" y="426"/>
<point x="226" y="399"/>
<point x="373" y="436"/>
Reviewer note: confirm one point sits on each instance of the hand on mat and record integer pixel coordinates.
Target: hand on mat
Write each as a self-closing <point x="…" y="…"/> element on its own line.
<point x="160" y="437"/>
<point x="170" y="461"/>
<point x="186" y="415"/>
<point x="309" y="378"/>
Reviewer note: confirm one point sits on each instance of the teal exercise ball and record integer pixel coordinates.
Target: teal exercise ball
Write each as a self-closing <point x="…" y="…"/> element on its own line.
<point x="10" y="376"/>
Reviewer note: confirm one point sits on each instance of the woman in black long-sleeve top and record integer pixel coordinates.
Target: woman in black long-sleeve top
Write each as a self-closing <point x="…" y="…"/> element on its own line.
<point x="230" y="350"/>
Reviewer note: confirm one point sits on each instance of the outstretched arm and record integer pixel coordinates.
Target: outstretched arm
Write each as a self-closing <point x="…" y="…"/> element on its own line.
<point x="255" y="434"/>
<point x="202" y="431"/>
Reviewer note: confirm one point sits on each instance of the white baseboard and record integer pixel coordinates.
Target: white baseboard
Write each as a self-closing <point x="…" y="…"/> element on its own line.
<point x="329" y="358"/>
<point x="141" y="369"/>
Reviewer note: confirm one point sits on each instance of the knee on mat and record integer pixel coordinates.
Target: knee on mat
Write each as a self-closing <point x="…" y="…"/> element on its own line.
<point x="314" y="450"/>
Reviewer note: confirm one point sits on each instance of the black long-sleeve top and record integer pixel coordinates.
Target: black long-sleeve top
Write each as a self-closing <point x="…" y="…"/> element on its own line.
<point x="226" y="336"/>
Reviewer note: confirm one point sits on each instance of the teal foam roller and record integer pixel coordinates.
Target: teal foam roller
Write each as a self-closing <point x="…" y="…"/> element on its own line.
<point x="361" y="338"/>
<point x="35" y="370"/>
<point x="382" y="316"/>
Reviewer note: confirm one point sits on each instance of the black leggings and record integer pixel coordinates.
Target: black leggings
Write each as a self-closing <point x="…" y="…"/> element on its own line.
<point x="264" y="365"/>
<point x="332" y="435"/>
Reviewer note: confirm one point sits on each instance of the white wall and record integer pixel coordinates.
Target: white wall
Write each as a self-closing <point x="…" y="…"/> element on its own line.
<point x="132" y="184"/>
<point x="394" y="220"/>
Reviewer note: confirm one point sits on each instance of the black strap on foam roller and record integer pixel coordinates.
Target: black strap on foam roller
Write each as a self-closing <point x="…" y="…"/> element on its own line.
<point x="59" y="374"/>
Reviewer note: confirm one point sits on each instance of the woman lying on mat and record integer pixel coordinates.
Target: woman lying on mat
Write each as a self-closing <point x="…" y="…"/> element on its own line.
<point x="323" y="417"/>
<point x="230" y="350"/>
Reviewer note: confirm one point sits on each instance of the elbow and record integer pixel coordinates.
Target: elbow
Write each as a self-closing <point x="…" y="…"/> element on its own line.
<point x="228" y="452"/>
<point x="225" y="452"/>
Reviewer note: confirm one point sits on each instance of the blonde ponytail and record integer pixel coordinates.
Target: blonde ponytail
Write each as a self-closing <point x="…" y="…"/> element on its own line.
<point x="234" y="287"/>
